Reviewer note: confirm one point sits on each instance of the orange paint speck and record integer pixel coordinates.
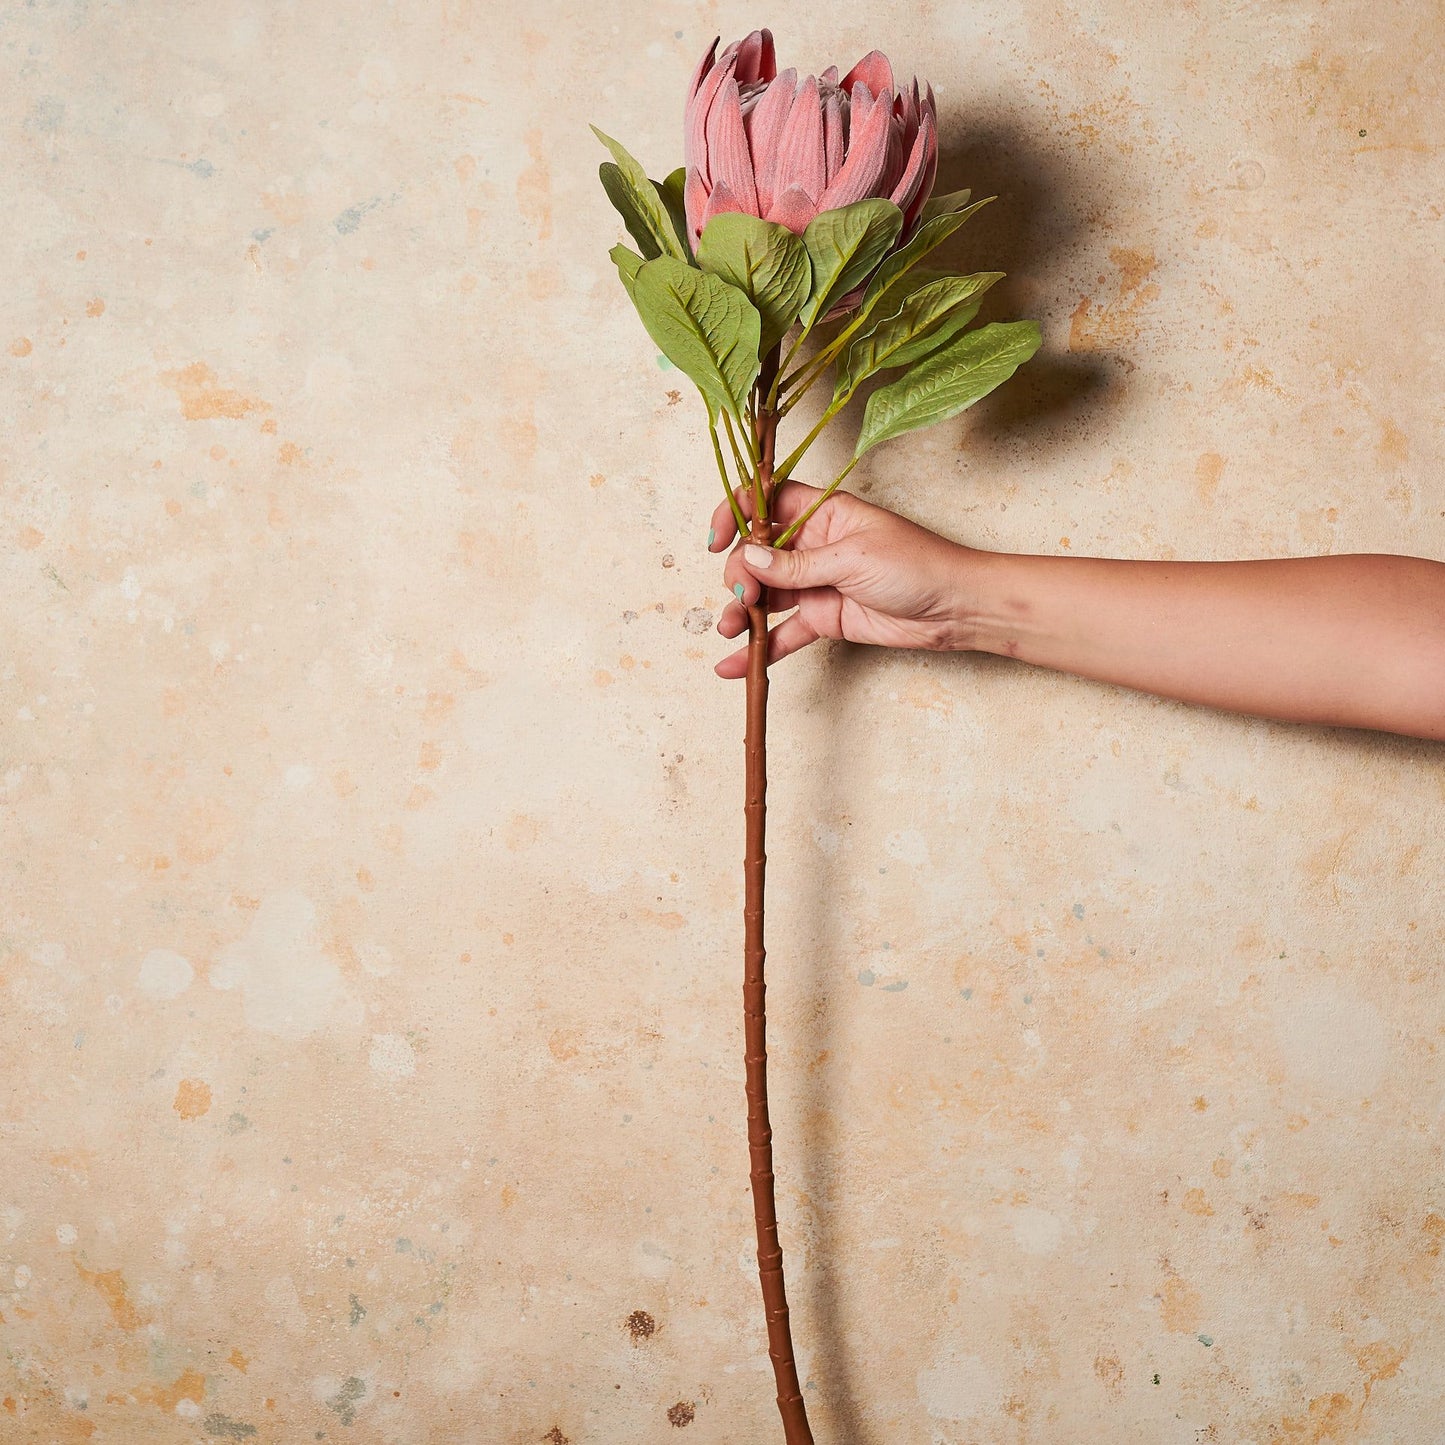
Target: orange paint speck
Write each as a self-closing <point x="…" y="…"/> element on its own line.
<point x="193" y="1098"/>
<point x="30" y="538"/>
<point x="202" y="397"/>
<point x="110" y="1286"/>
<point x="95" y="308"/>
<point x="239" y="1360"/>
<point x="21" y="346"/>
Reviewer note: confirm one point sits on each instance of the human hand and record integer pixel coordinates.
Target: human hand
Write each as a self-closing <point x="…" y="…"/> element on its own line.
<point x="853" y="571"/>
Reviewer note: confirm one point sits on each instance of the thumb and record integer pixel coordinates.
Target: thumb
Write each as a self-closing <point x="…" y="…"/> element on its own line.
<point x="795" y="568"/>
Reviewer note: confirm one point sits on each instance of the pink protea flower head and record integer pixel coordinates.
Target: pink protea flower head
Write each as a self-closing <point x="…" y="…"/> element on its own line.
<point x="761" y="143"/>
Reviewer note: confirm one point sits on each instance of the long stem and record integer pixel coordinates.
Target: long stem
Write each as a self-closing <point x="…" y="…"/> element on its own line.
<point x="755" y="1053"/>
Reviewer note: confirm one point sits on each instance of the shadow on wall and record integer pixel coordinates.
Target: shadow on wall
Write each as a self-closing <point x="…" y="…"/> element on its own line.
<point x="1042" y="211"/>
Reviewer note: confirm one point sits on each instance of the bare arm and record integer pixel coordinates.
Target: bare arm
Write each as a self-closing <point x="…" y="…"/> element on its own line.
<point x="1352" y="641"/>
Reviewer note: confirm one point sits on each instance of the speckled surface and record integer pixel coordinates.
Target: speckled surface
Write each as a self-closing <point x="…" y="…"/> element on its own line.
<point x="370" y="929"/>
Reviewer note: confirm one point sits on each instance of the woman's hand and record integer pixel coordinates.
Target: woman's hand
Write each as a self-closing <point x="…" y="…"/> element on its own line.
<point x="853" y="571"/>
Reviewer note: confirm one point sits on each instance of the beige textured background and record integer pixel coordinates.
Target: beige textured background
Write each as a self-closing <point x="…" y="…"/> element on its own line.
<point x="370" y="927"/>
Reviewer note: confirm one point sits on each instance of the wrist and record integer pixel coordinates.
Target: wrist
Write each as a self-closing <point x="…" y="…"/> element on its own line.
<point x="975" y="620"/>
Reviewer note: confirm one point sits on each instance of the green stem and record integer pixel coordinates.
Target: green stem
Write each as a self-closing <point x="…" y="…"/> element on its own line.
<point x="785" y="467"/>
<point x="789" y="531"/>
<point x="745" y="472"/>
<point x="727" y="485"/>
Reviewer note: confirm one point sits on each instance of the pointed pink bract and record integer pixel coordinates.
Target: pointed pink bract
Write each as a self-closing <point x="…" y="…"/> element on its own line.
<point x="755" y="141"/>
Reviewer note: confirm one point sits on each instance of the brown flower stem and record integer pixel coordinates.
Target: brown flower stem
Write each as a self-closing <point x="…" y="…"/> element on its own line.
<point x="755" y="1056"/>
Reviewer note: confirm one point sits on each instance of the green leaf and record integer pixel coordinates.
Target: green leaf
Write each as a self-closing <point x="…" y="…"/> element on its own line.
<point x="628" y="264"/>
<point x="844" y="245"/>
<point x="940" y="205"/>
<point x="671" y="193"/>
<point x="924" y="239"/>
<point x="948" y="380"/>
<point x="705" y="327"/>
<point x="766" y="262"/>
<point x="638" y="202"/>
<point x="927" y="318"/>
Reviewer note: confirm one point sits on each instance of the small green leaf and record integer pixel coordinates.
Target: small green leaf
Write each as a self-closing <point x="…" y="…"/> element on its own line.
<point x="948" y="380"/>
<point x="671" y="193"/>
<point x="940" y="205"/>
<point x="766" y="262"/>
<point x="844" y="246"/>
<point x="638" y="202"/>
<point x="927" y="318"/>
<point x="628" y="264"/>
<point x="704" y="326"/>
<point x="924" y="239"/>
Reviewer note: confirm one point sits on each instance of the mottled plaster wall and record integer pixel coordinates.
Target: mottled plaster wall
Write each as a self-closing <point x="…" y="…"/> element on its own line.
<point x="370" y="924"/>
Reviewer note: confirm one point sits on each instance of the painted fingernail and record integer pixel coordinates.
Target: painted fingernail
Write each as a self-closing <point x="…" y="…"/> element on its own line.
<point x="758" y="556"/>
<point x="738" y="590"/>
<point x="711" y="535"/>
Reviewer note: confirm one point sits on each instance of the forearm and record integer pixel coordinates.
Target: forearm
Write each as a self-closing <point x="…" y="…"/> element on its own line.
<point x="1353" y="641"/>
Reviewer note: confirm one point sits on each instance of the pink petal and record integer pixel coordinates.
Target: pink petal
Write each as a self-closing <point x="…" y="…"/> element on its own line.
<point x="858" y="107"/>
<point x="729" y="161"/>
<point x="695" y="126"/>
<point x="723" y="198"/>
<point x="874" y="71"/>
<point x="903" y="193"/>
<point x="832" y="134"/>
<point x="703" y="66"/>
<point x="764" y="124"/>
<point x="897" y="157"/>
<point x="925" y="186"/>
<point x="829" y="76"/>
<point x="907" y="108"/>
<point x="756" y="59"/>
<point x="694" y="201"/>
<point x="793" y="208"/>
<point x="867" y="155"/>
<point x="800" y="147"/>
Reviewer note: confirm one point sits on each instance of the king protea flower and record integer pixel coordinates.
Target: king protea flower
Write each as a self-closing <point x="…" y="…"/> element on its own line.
<point x="758" y="142"/>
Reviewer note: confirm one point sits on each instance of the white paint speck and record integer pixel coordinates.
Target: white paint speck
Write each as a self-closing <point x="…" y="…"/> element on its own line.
<point x="298" y="775"/>
<point x="958" y="1389"/>
<point x="66" y="1235"/>
<point x="392" y="1056"/>
<point x="130" y="584"/>
<point x="164" y="974"/>
<point x="188" y="1409"/>
<point x="23" y="1276"/>
<point x="1036" y="1231"/>
<point x="290" y="987"/>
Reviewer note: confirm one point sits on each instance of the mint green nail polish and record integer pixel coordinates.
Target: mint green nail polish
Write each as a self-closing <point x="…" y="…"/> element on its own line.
<point x="711" y="535"/>
<point x="738" y="588"/>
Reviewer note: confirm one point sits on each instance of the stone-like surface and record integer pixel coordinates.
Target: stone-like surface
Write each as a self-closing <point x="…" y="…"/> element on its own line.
<point x="370" y="925"/>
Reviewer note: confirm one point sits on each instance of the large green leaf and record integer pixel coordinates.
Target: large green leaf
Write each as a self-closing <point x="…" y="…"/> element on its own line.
<point x="927" y="318"/>
<point x="671" y="191"/>
<point x="767" y="262"/>
<point x="948" y="380"/>
<point x="844" y="246"/>
<point x="930" y="234"/>
<point x="639" y="203"/>
<point x="628" y="264"/>
<point x="705" y="327"/>
<point x="939" y="205"/>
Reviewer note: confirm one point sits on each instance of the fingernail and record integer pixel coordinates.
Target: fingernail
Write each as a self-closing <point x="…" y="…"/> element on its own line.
<point x="738" y="590"/>
<point x="711" y="535"/>
<point x="758" y="556"/>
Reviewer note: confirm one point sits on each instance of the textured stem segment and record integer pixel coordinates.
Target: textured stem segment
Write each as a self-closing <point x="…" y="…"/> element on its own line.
<point x="755" y="1059"/>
